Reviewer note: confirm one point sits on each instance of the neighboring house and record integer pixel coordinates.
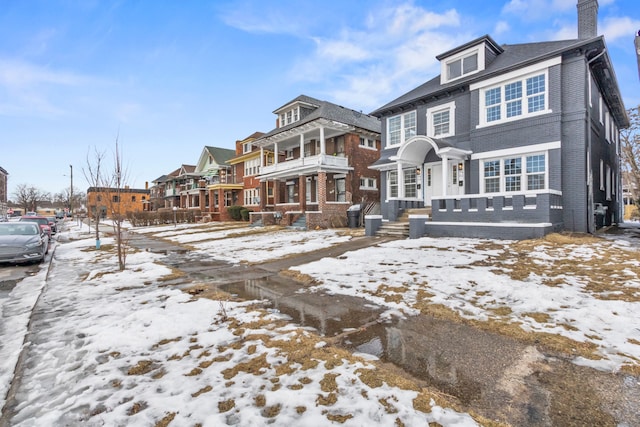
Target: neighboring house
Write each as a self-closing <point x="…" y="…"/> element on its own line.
<point x="217" y="186"/>
<point x="4" y="196"/>
<point x="320" y="166"/>
<point x="105" y="202"/>
<point x="166" y="190"/>
<point x="509" y="141"/>
<point x="245" y="168"/>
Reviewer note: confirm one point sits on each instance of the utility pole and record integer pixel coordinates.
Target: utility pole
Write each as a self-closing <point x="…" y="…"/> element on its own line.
<point x="71" y="193"/>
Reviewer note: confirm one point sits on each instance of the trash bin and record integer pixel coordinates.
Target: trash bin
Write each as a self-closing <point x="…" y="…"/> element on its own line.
<point x="353" y="216"/>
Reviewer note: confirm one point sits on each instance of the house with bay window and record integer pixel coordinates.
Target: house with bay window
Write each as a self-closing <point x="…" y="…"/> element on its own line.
<point x="315" y="164"/>
<point x="509" y="141"/>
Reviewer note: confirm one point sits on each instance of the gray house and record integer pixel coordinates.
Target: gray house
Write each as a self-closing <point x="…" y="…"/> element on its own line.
<point x="509" y="141"/>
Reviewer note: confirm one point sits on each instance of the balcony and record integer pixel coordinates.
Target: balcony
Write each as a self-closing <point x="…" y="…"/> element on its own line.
<point x="306" y="163"/>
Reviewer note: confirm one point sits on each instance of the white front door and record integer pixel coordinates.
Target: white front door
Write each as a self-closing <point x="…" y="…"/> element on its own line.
<point x="433" y="180"/>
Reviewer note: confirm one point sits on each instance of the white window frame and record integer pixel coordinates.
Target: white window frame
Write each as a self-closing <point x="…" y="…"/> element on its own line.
<point x="251" y="197"/>
<point x="524" y="98"/>
<point x="404" y="135"/>
<point x="367" y="183"/>
<point x="451" y="107"/>
<point x="504" y="79"/>
<point x="523" y="174"/>
<point x="600" y="108"/>
<point x="396" y="186"/>
<point x="368" y="143"/>
<point x="479" y="51"/>
<point x="252" y="167"/>
<point x="246" y="148"/>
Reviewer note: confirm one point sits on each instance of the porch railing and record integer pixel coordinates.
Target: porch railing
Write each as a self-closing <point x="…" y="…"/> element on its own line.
<point x="543" y="206"/>
<point x="319" y="160"/>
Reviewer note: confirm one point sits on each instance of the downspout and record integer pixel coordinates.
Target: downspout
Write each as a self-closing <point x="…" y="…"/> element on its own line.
<point x="591" y="226"/>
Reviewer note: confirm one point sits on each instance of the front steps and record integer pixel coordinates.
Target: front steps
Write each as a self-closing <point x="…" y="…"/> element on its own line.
<point x="400" y="228"/>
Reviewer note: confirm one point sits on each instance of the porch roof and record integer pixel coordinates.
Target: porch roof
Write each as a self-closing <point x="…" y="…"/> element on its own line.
<point x="415" y="150"/>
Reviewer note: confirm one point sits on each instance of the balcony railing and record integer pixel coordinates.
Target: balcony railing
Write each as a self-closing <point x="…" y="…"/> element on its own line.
<point x="302" y="162"/>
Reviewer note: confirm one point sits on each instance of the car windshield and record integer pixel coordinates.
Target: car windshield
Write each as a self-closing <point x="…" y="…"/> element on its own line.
<point x="38" y="220"/>
<point x="18" y="230"/>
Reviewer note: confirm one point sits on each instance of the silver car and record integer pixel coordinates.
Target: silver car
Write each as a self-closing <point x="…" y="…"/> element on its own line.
<point x="22" y="242"/>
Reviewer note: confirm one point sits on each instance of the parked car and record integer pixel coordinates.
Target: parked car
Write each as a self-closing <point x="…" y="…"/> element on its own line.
<point x="22" y="242"/>
<point x="53" y="223"/>
<point x="60" y="215"/>
<point x="40" y="220"/>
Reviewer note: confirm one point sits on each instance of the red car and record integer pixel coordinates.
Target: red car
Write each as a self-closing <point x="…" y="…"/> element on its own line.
<point x="42" y="221"/>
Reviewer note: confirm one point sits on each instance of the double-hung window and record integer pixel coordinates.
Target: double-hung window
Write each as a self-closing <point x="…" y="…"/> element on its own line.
<point x="515" y="173"/>
<point x="409" y="176"/>
<point x="392" y="182"/>
<point x="515" y="99"/>
<point x="400" y="128"/>
<point x="441" y="120"/>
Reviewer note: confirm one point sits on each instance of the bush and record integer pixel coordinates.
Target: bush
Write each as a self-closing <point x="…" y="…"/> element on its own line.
<point x="234" y="212"/>
<point x="244" y="213"/>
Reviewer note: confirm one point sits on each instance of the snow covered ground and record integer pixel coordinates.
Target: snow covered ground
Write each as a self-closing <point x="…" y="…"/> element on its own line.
<point x="118" y="348"/>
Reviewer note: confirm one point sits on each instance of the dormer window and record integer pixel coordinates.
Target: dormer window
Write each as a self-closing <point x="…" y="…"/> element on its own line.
<point x="462" y="66"/>
<point x="289" y="116"/>
<point x="246" y="148"/>
<point x="467" y="59"/>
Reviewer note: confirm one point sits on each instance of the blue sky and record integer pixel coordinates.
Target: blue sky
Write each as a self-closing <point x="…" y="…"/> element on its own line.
<point x="168" y="77"/>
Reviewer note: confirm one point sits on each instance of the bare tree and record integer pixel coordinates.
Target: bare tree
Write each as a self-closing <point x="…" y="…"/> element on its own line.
<point x="118" y="184"/>
<point x="93" y="175"/>
<point x="28" y="197"/>
<point x="64" y="197"/>
<point x="630" y="146"/>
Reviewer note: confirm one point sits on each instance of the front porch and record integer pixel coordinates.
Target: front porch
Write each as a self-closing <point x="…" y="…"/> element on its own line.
<point x="514" y="216"/>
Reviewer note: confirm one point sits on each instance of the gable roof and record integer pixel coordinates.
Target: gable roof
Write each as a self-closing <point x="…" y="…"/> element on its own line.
<point x="512" y="58"/>
<point x="329" y="111"/>
<point x="221" y="155"/>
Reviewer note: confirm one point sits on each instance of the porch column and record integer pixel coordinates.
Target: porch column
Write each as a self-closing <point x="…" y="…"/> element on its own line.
<point x="203" y="199"/>
<point x="276" y="192"/>
<point x="301" y="145"/>
<point x="302" y="192"/>
<point x="445" y="174"/>
<point x="261" y="157"/>
<point x="322" y="190"/>
<point x="211" y="199"/>
<point x="323" y="148"/>
<point x="221" y="208"/>
<point x="275" y="153"/>
<point x="400" y="181"/>
<point x="263" y="195"/>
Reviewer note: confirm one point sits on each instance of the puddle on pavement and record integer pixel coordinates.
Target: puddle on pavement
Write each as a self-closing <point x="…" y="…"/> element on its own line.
<point x="330" y="315"/>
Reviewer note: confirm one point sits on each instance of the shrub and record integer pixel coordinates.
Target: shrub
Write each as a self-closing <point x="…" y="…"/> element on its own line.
<point x="234" y="212"/>
<point x="244" y="213"/>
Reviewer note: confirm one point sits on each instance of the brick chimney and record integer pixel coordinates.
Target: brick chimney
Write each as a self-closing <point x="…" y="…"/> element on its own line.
<point x="587" y="19"/>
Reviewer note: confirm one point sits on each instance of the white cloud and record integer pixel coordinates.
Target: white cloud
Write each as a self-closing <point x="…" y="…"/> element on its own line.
<point x="392" y="52"/>
<point x="616" y="28"/>
<point x="501" y="27"/>
<point x="15" y="74"/>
